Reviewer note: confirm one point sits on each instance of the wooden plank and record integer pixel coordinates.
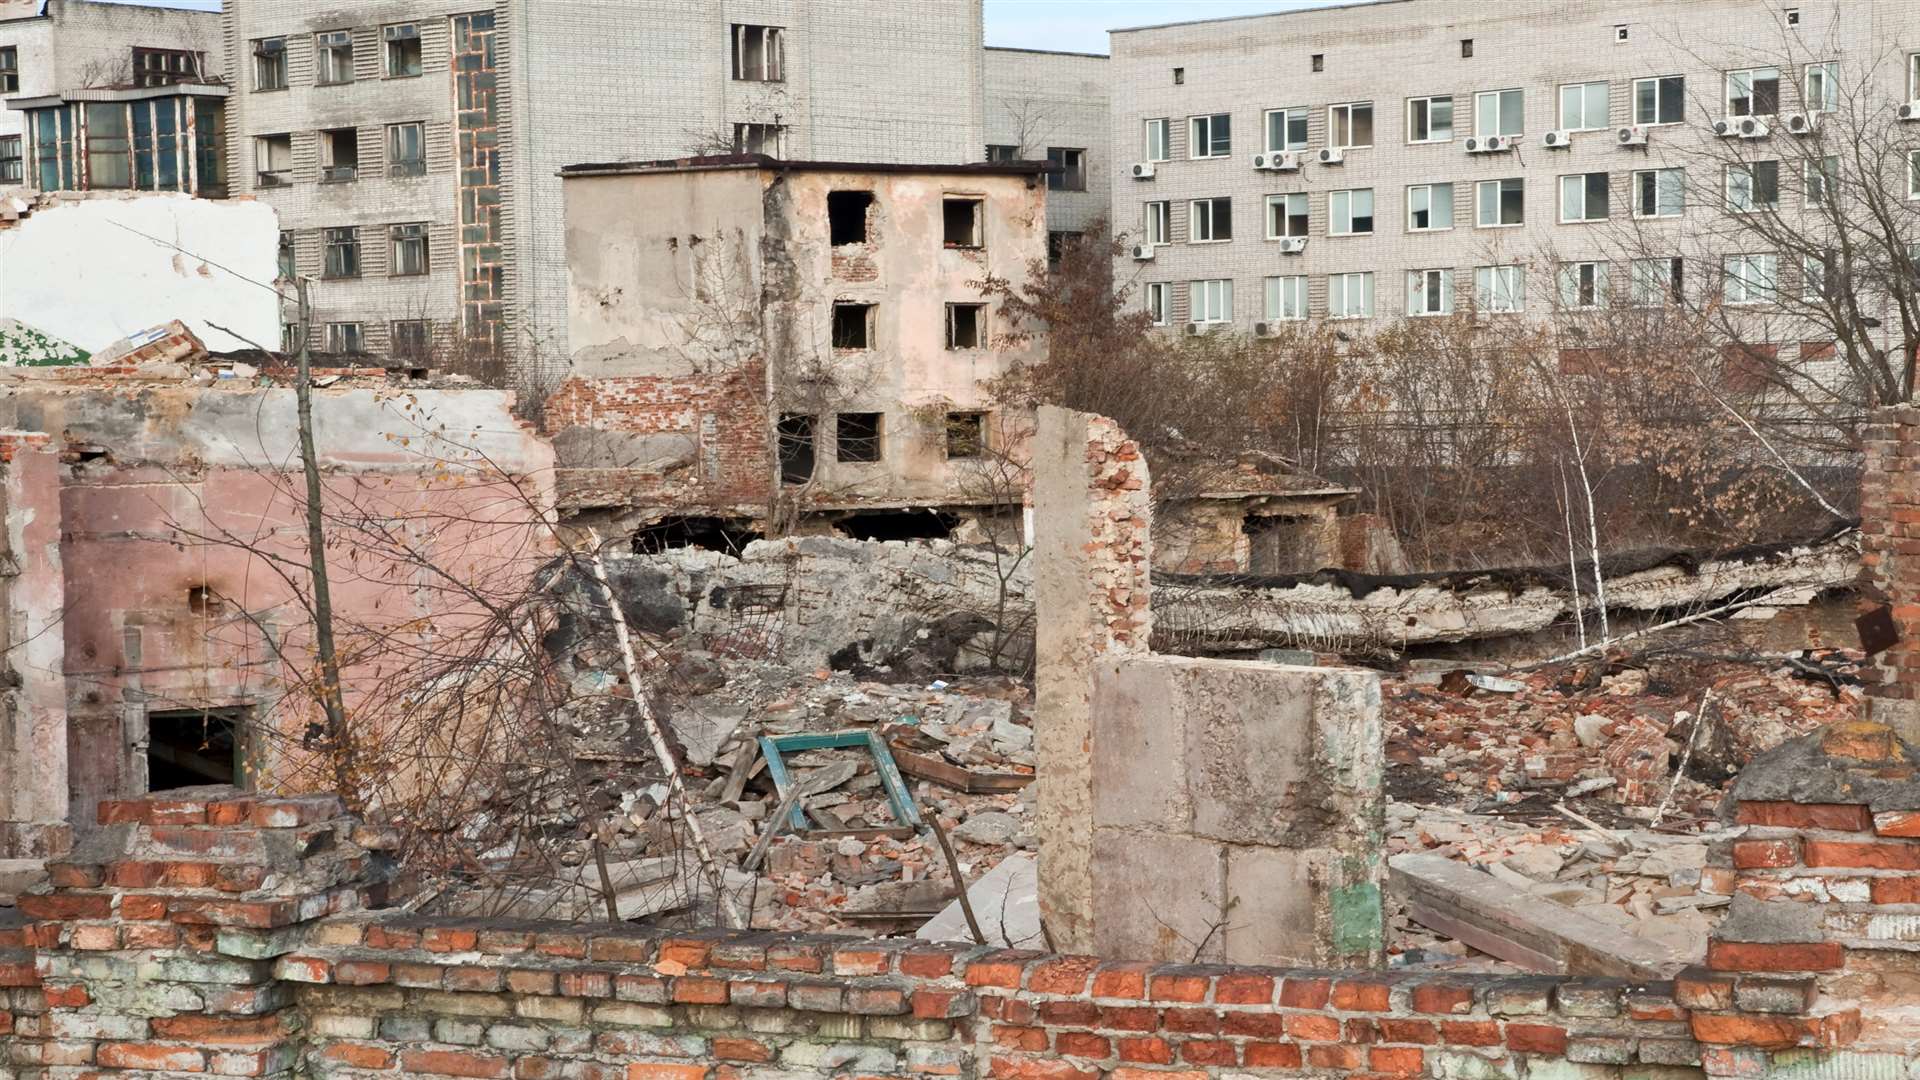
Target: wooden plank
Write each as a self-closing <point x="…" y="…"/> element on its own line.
<point x="947" y="774"/>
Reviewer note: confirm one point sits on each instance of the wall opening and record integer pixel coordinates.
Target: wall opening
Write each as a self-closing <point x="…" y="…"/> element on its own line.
<point x="339" y="155"/>
<point x="853" y="326"/>
<point x="847" y="216"/>
<point x="962" y="221"/>
<point x="856" y="437"/>
<point x="709" y="533"/>
<point x="190" y="747"/>
<point x="966" y="326"/>
<point x="910" y="524"/>
<point x="1281" y="544"/>
<point x="796" y="448"/>
<point x="966" y="434"/>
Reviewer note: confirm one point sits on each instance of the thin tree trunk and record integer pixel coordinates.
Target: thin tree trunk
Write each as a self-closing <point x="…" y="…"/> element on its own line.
<point x="330" y="699"/>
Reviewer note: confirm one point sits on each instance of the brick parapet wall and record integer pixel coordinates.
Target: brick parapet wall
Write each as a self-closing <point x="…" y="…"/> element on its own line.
<point x="721" y="416"/>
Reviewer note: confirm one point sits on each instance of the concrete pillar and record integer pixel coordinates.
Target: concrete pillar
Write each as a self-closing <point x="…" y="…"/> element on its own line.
<point x="1091" y="590"/>
<point x="33" y="711"/>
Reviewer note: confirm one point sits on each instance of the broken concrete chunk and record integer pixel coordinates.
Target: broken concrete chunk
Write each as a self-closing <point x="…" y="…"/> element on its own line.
<point x="989" y="828"/>
<point x="1590" y="729"/>
<point x="704" y="727"/>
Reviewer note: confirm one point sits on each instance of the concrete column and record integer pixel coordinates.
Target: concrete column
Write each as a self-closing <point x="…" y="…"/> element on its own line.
<point x="1091" y="591"/>
<point x="33" y="711"/>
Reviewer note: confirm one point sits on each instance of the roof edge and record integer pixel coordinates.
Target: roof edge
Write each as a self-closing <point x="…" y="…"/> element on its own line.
<point x="1337" y="5"/>
<point x="762" y="162"/>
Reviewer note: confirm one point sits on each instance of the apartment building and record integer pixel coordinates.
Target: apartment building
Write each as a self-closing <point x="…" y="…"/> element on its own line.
<point x="413" y="146"/>
<point x="1397" y="158"/>
<point x="50" y="48"/>
<point x="1052" y="107"/>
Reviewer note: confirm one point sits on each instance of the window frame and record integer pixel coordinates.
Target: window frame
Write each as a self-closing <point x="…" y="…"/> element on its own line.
<point x="1305" y="217"/>
<point x="1659" y="99"/>
<point x="1808" y="294"/>
<point x="1158" y="296"/>
<point x="1286" y="128"/>
<point x="1333" y="214"/>
<point x="394" y="339"/>
<point x="981" y="338"/>
<point x="324" y="53"/>
<point x="1750" y="168"/>
<point x="18" y="173"/>
<point x="1499" y="203"/>
<point x="1428" y="190"/>
<point x="266" y="142"/>
<point x="1194" y="142"/>
<point x="1166" y="138"/>
<point x="1667" y="282"/>
<point x="1500" y="111"/>
<point x="260" y="52"/>
<point x="1162" y="234"/>
<point x="1072" y="175"/>
<point x="1345" y="282"/>
<point x="1829" y="72"/>
<point x="404" y="235"/>
<point x="1753" y="93"/>
<point x="1913" y="75"/>
<point x="1586" y="197"/>
<point x="9" y="69"/>
<point x="1579" y="270"/>
<point x="1817" y="184"/>
<point x="342" y="330"/>
<point x="1428" y="101"/>
<point x="1199" y="287"/>
<point x="1606" y="106"/>
<point x="773" y="52"/>
<point x="395" y="162"/>
<point x="1420" y="283"/>
<point x="1484" y="296"/>
<point x="1213" y="226"/>
<point x="1655" y="174"/>
<point x="1277" y="286"/>
<point x="1332" y="126"/>
<point x="1913" y="174"/>
<point x="874" y="445"/>
<point x="389" y="45"/>
<point x="345" y="239"/>
<point x="1753" y="292"/>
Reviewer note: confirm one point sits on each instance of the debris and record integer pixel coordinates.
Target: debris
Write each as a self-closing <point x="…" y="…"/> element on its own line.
<point x="1007" y="902"/>
<point x="988" y="828"/>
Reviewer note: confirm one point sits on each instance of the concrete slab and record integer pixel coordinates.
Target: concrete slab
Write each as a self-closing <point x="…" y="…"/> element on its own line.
<point x="1006" y="901"/>
<point x="1140" y="745"/>
<point x="1161" y="896"/>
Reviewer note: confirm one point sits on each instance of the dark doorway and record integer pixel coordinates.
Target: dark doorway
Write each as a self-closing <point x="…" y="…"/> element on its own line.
<point x="796" y="448"/>
<point x="847" y="216"/>
<point x="190" y="747"/>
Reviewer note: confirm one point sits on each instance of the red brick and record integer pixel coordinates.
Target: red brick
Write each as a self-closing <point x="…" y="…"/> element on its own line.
<point x="1020" y="1038"/>
<point x="1882" y="856"/>
<point x="1260" y="1025"/>
<point x="62" y="906"/>
<point x="453" y="1063"/>
<point x="1305" y="993"/>
<point x="1901" y="890"/>
<point x="1002" y="1068"/>
<point x="1697" y="988"/>
<point x="528" y="981"/>
<point x="1208" y="1052"/>
<point x="649" y="1071"/>
<point x="1442" y="998"/>
<point x="358" y="1057"/>
<point x="1151" y="1050"/>
<point x="1237" y="989"/>
<point x="230" y="812"/>
<point x="618" y="950"/>
<point x="67" y="997"/>
<point x="1001" y="973"/>
<point x="1270" y="1055"/>
<point x="1775" y="956"/>
<point x="1179" y="988"/>
<point x="585" y="984"/>
<point x="1121" y="981"/>
<point x="1064" y="975"/>
<point x="174" y="812"/>
<point x="1334" y="1056"/>
<point x="1082" y="1044"/>
<point x="926" y="965"/>
<point x="1537" y="1039"/>
<point x="1469" y="1032"/>
<point x="218" y="1030"/>
<point x="741" y="1050"/>
<point x="1350" y="995"/>
<point x="1765" y="854"/>
<point x="1068" y="1013"/>
<point x="939" y="1004"/>
<point x="691" y="952"/>
<point x="1903" y="823"/>
<point x="1396" y="1061"/>
<point x="1315" y="1027"/>
<point x="1129" y="1018"/>
<point x="361" y="973"/>
<point x="1841" y="817"/>
<point x="806" y="958"/>
<point x="475" y="979"/>
<point x="699" y="991"/>
<point x="152" y="1058"/>
<point x="95" y="937"/>
<point x="142" y="908"/>
<point x="1765" y="1032"/>
<point x="447" y="939"/>
<point x="1413" y="1031"/>
<point x="394" y="937"/>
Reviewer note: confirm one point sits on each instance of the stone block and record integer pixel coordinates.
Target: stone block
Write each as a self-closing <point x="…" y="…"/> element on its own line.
<point x="1160" y="895"/>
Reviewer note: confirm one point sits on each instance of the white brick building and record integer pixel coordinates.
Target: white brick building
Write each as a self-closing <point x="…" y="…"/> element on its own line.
<point x="1410" y="220"/>
<point x="1052" y="106"/>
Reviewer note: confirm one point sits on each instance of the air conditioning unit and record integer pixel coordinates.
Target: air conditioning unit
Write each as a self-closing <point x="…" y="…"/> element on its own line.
<point x="1261" y="329"/>
<point x="1491" y="144"/>
<point x="1800" y="123"/>
<point x="1292" y="245"/>
<point x="1263" y="162"/>
<point x="1143" y="253"/>
<point x="1193" y="328"/>
<point x="1143" y="170"/>
<point x="1910" y="111"/>
<point x="1631" y="136"/>
<point x="1277" y="161"/>
<point x="1752" y="127"/>
<point x="1557" y="140"/>
<point x="1332" y="155"/>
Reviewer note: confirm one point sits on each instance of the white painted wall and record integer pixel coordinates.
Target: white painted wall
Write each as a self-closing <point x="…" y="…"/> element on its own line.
<point x="75" y="271"/>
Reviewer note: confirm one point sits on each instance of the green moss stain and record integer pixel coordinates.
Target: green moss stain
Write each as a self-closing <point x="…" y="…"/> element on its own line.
<point x="1358" y="919"/>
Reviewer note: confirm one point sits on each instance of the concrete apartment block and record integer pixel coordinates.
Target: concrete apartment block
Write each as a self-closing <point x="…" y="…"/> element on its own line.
<point x="1393" y="52"/>
<point x="1053" y="106"/>
<point x="51" y="46"/>
<point x="561" y="83"/>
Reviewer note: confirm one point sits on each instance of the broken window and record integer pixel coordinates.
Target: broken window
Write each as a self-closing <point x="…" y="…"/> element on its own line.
<point x="403" y="50"/>
<point x="9" y="69"/>
<point x="962" y="222"/>
<point x="1072" y="174"/>
<point x="768" y="139"/>
<point x="1058" y="240"/>
<point x="966" y="434"/>
<point x="12" y="170"/>
<point x="796" y="448"/>
<point x="270" y="63"/>
<point x="190" y="747"/>
<point x="333" y="57"/>
<point x="164" y="67"/>
<point x="342" y="252"/>
<point x="339" y="155"/>
<point x="273" y="160"/>
<point x="856" y="437"/>
<point x="966" y="326"/>
<point x="408" y="338"/>
<point x="853" y="326"/>
<point x="759" y="53"/>
<point x="1282" y="544"/>
<point x="409" y="249"/>
<point x="847" y="216"/>
<point x="407" y="149"/>
<point x="1002" y="153"/>
<point x="286" y="261"/>
<point x="345" y="337"/>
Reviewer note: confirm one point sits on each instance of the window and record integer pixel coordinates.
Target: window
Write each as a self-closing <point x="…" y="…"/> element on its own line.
<point x="345" y="337"/>
<point x="1583" y="285"/>
<point x="847" y="213"/>
<point x="1286" y="129"/>
<point x="12" y="168"/>
<point x="1500" y="202"/>
<point x="856" y="437"/>
<point x="1499" y="290"/>
<point x="1287" y="215"/>
<point x="1749" y="279"/>
<point x="1816" y="277"/>
<point x="1913" y="174"/>
<point x="1823" y="87"/>
<point x="1072" y="174"/>
<point x="1058" y="242"/>
<point x="1157" y="139"/>
<point x="1319" y="62"/>
<point x="1913" y="75"/>
<point x="407" y="149"/>
<point x="1429" y="292"/>
<point x="1287" y="298"/>
<point x="1430" y="119"/>
<point x="794" y="434"/>
<point x="966" y="326"/>
<point x="1209" y="220"/>
<point x="409" y="249"/>
<point x="1350" y="213"/>
<point x="1653" y="282"/>
<point x="1001" y="153"/>
<point x="1179" y="76"/>
<point x="339" y="155"/>
<point x="1583" y="197"/>
<point x="1212" y="301"/>
<point x="1157" y="228"/>
<point x="1659" y="192"/>
<point x="1210" y="136"/>
<point x="853" y="326"/>
<point x="961" y="222"/>
<point x="342" y="253"/>
<point x="966" y="434"/>
<point x="759" y="53"/>
<point x="164" y="67"/>
<point x="408" y="339"/>
<point x="1350" y="125"/>
<point x="109" y="149"/>
<point x="403" y="50"/>
<point x="1621" y="32"/>
<point x="768" y="139"/>
<point x="1583" y="106"/>
<point x="273" y="160"/>
<point x="1660" y="100"/>
<point x="1823" y="179"/>
<point x="287" y="266"/>
<point x="270" y="63"/>
<point x="333" y="57"/>
<point x="1499" y="112"/>
<point x="1466" y="48"/>
<point x="1754" y="185"/>
<point x="1753" y="91"/>
<point x="1350" y="296"/>
<point x="1429" y="207"/>
<point x="1159" y="301"/>
<point x="9" y="69"/>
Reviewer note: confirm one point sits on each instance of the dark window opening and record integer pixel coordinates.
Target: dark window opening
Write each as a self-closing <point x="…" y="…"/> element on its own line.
<point x="9" y="69"/>
<point x="286" y="258"/>
<point x="1072" y="172"/>
<point x="1179" y="76"/>
<point x="966" y="326"/>
<point x="1466" y="46"/>
<point x="853" y="326"/>
<point x="796" y="448"/>
<point x="966" y="434"/>
<point x="897" y="525"/>
<point x="1282" y="544"/>
<point x="707" y="533"/>
<point x="1058" y="240"/>
<point x="1319" y="61"/>
<point x="202" y="600"/>
<point x="847" y="213"/>
<point x="1001" y="153"/>
<point x="12" y="160"/>
<point x="273" y="160"/>
<point x="856" y="437"/>
<point x="759" y="53"/>
<point x="164" y="67"/>
<point x="191" y="747"/>
<point x="407" y="149"/>
<point x="404" y="59"/>
<point x="408" y="339"/>
<point x="339" y="155"/>
<point x="270" y="64"/>
<point x="962" y="219"/>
